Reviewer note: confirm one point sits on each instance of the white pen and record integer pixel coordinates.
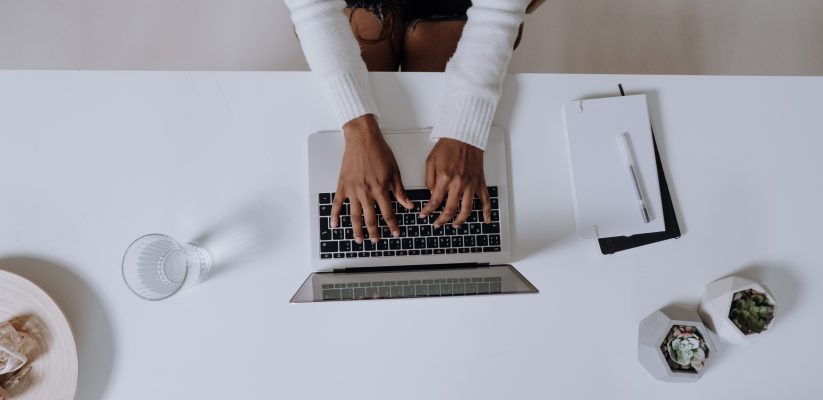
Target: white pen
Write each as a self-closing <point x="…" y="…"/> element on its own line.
<point x="628" y="157"/>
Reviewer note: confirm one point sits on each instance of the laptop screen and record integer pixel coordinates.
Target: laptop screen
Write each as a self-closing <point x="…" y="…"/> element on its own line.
<point x="376" y="284"/>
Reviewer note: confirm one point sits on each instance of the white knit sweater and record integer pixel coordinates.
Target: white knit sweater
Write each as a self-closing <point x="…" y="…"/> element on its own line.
<point x="474" y="75"/>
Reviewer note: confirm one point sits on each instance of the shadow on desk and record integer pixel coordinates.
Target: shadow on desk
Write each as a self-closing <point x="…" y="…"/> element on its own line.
<point x="87" y="316"/>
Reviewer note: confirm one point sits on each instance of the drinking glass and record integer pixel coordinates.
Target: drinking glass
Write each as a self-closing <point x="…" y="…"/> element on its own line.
<point x="155" y="266"/>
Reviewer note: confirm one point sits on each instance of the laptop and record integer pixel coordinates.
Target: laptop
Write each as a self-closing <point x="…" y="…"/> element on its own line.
<point x="423" y="261"/>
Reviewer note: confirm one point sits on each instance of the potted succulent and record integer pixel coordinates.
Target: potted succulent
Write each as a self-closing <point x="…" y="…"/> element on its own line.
<point x="738" y="310"/>
<point x="674" y="345"/>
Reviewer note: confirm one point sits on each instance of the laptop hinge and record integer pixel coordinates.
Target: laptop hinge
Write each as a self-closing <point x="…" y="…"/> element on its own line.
<point x="424" y="267"/>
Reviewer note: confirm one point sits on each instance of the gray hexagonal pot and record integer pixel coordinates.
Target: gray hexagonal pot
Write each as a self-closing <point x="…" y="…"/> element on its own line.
<point x="655" y="328"/>
<point x="716" y="304"/>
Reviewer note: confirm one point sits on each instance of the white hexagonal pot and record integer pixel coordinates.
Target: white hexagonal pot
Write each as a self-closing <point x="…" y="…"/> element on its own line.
<point x="655" y="328"/>
<point x="717" y="302"/>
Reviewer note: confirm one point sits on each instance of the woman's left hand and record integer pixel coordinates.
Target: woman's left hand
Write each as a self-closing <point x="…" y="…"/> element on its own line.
<point x="455" y="169"/>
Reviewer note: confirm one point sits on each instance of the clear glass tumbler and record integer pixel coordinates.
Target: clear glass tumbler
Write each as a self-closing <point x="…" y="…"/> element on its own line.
<point x="155" y="267"/>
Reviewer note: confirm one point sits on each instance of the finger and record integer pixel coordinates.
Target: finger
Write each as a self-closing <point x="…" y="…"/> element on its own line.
<point x="400" y="192"/>
<point x="436" y="198"/>
<point x="451" y="205"/>
<point x="370" y="216"/>
<point x="388" y="214"/>
<point x="465" y="208"/>
<point x="356" y="219"/>
<point x="431" y="175"/>
<point x="487" y="204"/>
<point x="335" y="207"/>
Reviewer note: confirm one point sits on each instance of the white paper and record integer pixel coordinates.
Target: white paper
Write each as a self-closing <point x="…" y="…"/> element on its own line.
<point x="604" y="194"/>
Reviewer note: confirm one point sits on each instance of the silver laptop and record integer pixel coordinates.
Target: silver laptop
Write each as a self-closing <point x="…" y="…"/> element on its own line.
<point x="423" y="261"/>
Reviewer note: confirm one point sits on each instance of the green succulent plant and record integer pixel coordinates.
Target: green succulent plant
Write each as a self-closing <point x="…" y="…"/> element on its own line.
<point x="751" y="311"/>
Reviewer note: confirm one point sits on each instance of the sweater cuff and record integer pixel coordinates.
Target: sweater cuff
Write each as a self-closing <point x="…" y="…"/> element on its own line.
<point x="350" y="95"/>
<point x="465" y="118"/>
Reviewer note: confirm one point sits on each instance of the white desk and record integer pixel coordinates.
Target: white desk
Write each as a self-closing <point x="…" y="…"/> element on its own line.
<point x="89" y="161"/>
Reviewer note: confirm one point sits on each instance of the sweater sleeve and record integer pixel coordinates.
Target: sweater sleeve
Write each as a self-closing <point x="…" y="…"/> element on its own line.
<point x="474" y="75"/>
<point x="334" y="56"/>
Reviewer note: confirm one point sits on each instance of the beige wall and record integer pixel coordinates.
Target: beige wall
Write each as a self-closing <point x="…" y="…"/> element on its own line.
<point x="782" y="37"/>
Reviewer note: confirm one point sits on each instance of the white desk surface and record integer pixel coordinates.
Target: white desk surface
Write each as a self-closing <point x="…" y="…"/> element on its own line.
<point x="89" y="161"/>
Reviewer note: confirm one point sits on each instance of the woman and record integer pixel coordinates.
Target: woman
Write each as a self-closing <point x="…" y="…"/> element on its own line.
<point x="472" y="40"/>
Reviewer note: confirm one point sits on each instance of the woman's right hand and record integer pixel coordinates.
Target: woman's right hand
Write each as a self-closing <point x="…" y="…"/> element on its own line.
<point x="367" y="173"/>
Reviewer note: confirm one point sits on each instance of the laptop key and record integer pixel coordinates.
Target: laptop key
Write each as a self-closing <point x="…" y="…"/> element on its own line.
<point x="325" y="210"/>
<point x="495" y="287"/>
<point x="439" y="251"/>
<point x="383" y="292"/>
<point x="483" y="288"/>
<point x="347" y="294"/>
<point x="407" y="243"/>
<point x="377" y="254"/>
<point x="426" y="252"/>
<point x="418" y="194"/>
<point x="327" y="286"/>
<point x="363" y="254"/>
<point x="438" y="231"/>
<point x="457" y="241"/>
<point x="408" y="291"/>
<point x="491" y="249"/>
<point x="425" y="230"/>
<point x="383" y="244"/>
<point x="431" y="243"/>
<point x="369" y="246"/>
<point x="325" y="198"/>
<point x="328" y="247"/>
<point x="475" y="229"/>
<point x="412" y="231"/>
<point x="445" y="242"/>
<point x="463" y="250"/>
<point x="345" y="245"/>
<point x="493" y="227"/>
<point x="397" y="291"/>
<point x="348" y="233"/>
<point x="471" y="288"/>
<point x="325" y="234"/>
<point x="434" y="290"/>
<point x="421" y="290"/>
<point x="458" y="288"/>
<point x="394" y="244"/>
<point x="339" y="255"/>
<point x="414" y="252"/>
<point x="326" y="255"/>
<point x="371" y="292"/>
<point x="495" y="204"/>
<point x="494" y="240"/>
<point x="463" y="229"/>
<point x="492" y="191"/>
<point x="419" y="243"/>
<point x="495" y="215"/>
<point x="409" y="219"/>
<point x="446" y="289"/>
<point x="351" y="255"/>
<point x="337" y="234"/>
<point x="331" y="294"/>
<point x="476" y="250"/>
<point x="451" y="251"/>
<point x="359" y="293"/>
<point x="449" y="230"/>
<point x="482" y="240"/>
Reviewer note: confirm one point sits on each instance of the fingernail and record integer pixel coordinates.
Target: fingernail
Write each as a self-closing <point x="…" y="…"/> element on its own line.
<point x="374" y="240"/>
<point x="395" y="234"/>
<point x="334" y="224"/>
<point x="358" y="240"/>
<point x="436" y="226"/>
<point x="455" y="225"/>
<point x="422" y="215"/>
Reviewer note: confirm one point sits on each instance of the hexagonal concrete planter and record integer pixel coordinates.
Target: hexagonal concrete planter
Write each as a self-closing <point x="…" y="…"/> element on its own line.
<point x="653" y="335"/>
<point x="716" y="305"/>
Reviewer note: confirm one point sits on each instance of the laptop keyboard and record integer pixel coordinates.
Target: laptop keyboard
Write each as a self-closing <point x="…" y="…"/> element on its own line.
<point x="417" y="236"/>
<point x="412" y="288"/>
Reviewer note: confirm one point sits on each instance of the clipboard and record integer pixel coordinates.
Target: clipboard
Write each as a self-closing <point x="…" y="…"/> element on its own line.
<point x="611" y="245"/>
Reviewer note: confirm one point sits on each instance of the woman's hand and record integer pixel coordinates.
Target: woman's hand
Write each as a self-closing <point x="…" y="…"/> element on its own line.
<point x="368" y="171"/>
<point x="455" y="169"/>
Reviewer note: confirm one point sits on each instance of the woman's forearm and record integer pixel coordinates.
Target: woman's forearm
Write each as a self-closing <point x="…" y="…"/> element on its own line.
<point x="334" y="56"/>
<point x="475" y="74"/>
